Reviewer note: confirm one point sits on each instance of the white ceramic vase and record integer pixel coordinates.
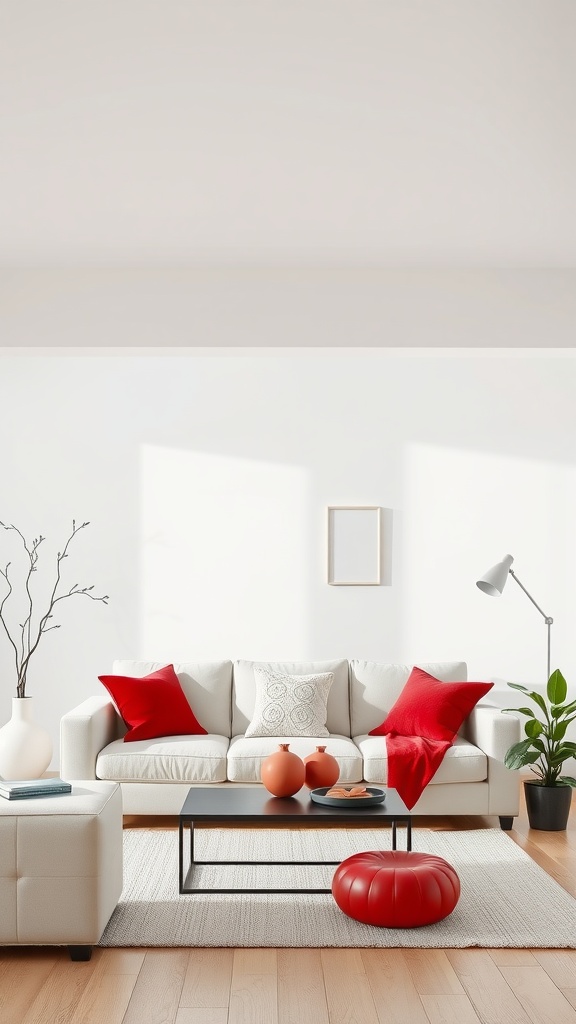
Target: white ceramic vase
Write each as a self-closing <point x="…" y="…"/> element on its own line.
<point x="25" y="748"/>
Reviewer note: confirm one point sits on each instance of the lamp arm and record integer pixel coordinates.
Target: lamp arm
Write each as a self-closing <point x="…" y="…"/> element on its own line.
<point x="547" y="619"/>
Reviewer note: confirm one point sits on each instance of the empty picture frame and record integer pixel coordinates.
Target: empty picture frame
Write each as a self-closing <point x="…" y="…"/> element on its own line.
<point x="354" y="545"/>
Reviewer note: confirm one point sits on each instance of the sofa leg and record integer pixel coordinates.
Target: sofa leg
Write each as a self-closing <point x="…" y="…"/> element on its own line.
<point x="80" y="952"/>
<point x="506" y="823"/>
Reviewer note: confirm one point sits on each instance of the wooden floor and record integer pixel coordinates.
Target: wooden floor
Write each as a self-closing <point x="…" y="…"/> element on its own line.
<point x="306" y="986"/>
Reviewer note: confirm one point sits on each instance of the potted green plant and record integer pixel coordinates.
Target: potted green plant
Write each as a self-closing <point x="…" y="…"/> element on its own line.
<point x="544" y="751"/>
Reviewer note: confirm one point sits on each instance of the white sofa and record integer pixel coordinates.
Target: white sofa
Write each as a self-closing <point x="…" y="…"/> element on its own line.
<point x="156" y="774"/>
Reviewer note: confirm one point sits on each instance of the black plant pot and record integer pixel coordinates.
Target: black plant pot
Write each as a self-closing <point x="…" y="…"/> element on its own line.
<point x="548" y="806"/>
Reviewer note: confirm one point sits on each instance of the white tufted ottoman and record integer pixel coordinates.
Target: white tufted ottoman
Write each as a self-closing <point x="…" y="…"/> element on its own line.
<point x="60" y="867"/>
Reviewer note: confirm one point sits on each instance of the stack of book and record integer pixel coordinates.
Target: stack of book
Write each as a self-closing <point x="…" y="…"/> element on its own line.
<point x="33" y="788"/>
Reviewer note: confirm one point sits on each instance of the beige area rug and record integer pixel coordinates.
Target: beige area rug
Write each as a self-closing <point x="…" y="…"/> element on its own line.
<point x="507" y="900"/>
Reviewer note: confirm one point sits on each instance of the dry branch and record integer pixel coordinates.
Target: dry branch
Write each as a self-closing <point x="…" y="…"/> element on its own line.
<point x="25" y="641"/>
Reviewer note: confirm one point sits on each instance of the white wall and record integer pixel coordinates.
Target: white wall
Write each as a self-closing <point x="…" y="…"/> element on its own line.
<point x="206" y="477"/>
<point x="371" y="168"/>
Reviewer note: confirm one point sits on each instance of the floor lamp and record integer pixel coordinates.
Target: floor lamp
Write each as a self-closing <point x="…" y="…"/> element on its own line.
<point x="493" y="583"/>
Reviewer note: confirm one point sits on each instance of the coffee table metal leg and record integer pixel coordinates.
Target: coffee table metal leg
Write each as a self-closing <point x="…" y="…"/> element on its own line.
<point x="182" y="871"/>
<point x="180" y="856"/>
<point x="408" y="833"/>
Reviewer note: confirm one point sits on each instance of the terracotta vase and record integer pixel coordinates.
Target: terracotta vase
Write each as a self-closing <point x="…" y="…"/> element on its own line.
<point x="283" y="772"/>
<point x="322" y="769"/>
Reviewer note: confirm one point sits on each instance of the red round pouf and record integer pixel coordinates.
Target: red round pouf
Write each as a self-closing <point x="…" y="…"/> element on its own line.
<point x="395" y="888"/>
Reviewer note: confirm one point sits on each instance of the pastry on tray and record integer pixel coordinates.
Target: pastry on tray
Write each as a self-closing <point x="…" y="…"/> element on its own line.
<point x="354" y="792"/>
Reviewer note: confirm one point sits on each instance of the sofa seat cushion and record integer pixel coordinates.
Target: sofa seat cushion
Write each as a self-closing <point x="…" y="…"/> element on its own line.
<point x="169" y="759"/>
<point x="245" y="754"/>
<point x="463" y="762"/>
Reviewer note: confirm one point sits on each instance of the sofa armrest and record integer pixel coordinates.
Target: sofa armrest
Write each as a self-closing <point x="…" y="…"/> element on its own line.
<point x="84" y="731"/>
<point x="491" y="730"/>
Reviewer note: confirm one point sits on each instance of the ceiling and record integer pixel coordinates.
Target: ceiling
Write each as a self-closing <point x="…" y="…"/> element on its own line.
<point x="391" y="132"/>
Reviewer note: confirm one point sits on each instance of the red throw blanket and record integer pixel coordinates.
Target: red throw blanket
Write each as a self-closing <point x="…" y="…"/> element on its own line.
<point x="412" y="762"/>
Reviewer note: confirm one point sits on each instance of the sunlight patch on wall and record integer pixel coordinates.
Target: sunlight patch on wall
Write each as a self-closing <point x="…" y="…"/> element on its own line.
<point x="463" y="512"/>
<point x="225" y="555"/>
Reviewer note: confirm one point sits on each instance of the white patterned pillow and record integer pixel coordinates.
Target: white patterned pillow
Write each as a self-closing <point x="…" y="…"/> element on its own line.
<point x="290" y="705"/>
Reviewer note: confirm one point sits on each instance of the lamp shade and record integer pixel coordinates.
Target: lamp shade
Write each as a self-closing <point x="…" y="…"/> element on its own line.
<point x="493" y="581"/>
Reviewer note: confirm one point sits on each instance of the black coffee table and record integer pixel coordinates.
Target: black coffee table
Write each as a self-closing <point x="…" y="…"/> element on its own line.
<point x="211" y="805"/>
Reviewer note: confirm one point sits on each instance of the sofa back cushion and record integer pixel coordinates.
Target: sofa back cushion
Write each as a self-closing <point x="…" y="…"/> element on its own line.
<point x="375" y="687"/>
<point x="207" y="686"/>
<point x="244" y="691"/>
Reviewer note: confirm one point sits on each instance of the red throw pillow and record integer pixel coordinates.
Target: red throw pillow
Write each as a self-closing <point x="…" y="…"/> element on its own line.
<point x="153" y="705"/>
<point x="430" y="708"/>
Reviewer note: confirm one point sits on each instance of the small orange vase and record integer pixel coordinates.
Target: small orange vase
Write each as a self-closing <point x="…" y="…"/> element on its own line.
<point x="322" y="769"/>
<point x="283" y="772"/>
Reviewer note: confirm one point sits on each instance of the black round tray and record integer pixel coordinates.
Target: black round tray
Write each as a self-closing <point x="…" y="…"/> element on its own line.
<point x="376" y="797"/>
